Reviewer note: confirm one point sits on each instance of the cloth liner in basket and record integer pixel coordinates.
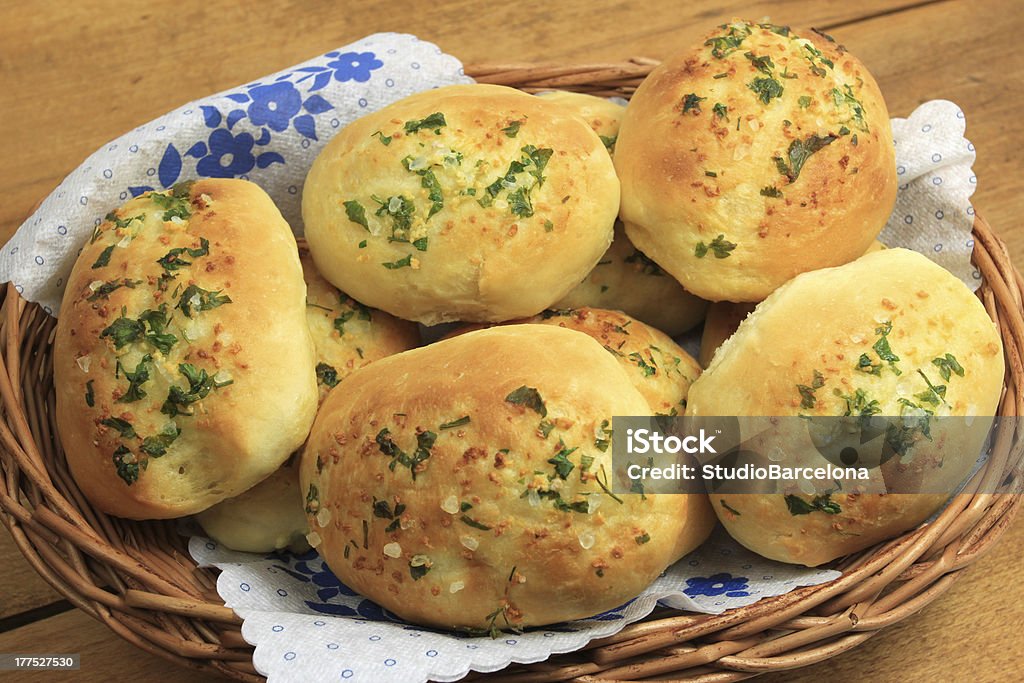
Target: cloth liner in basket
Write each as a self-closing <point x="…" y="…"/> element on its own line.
<point x="138" y="577"/>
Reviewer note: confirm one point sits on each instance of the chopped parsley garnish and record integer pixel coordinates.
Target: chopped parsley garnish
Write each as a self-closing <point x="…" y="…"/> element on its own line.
<point x="934" y="395"/>
<point x="433" y="122"/>
<point x="609" y="141"/>
<point x="529" y="398"/>
<point x="90" y="396"/>
<point x="858" y="405"/>
<point x="356" y="212"/>
<point x="419" y="565"/>
<point x="104" y="258"/>
<point x="384" y="139"/>
<point x="722" y="46"/>
<point x="157" y="321"/>
<point x="799" y="152"/>
<point x="469" y="521"/>
<point x="763" y="64"/>
<point x="948" y="366"/>
<point x="729" y="507"/>
<point x="710" y="174"/>
<point x="176" y="204"/>
<point x="775" y="28"/>
<point x="123" y="427"/>
<point x="400" y="263"/>
<point x="172" y="260"/>
<point x="807" y="398"/>
<point x="545" y="428"/>
<point x="721" y="111"/>
<point x="400" y="209"/>
<point x="519" y="203"/>
<point x="691" y="102"/>
<point x="135" y="380"/>
<point x="649" y="369"/>
<point x="428" y="181"/>
<point x="464" y="420"/>
<point x="604" y="440"/>
<point x="424" y="442"/>
<point x="642" y="538"/>
<point x="647" y="266"/>
<point x="123" y="222"/>
<point x="864" y="364"/>
<point x="822" y="503"/>
<point x="766" y="88"/>
<point x="126" y="465"/>
<point x="123" y="330"/>
<point x="195" y="298"/>
<point x="104" y="291"/>
<point x="882" y="348"/>
<point x="200" y="384"/>
<point x="720" y="246"/>
<point x="312" y="499"/>
<point x="326" y="375"/>
<point x="156" y="446"/>
<point x="512" y="129"/>
<point x="815" y="54"/>
<point x="771" y="191"/>
<point x="563" y="466"/>
<point x="804" y="101"/>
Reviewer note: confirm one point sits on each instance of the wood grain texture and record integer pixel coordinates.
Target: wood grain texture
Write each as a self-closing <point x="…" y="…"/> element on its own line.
<point x="21" y="588"/>
<point x="75" y="75"/>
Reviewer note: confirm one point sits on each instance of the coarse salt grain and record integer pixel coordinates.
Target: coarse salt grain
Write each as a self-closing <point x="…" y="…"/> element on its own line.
<point x="586" y="539"/>
<point x="83" y="362"/>
<point x="313" y="538"/>
<point x="323" y="517"/>
<point x="392" y="550"/>
<point x="456" y="586"/>
<point x="469" y="543"/>
<point x="450" y="504"/>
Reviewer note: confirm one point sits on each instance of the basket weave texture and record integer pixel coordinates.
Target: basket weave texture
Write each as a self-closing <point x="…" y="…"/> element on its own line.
<point x="139" y="580"/>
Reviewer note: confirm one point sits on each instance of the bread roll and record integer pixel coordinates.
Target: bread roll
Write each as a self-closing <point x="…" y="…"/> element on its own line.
<point x="268" y="517"/>
<point x="658" y="367"/>
<point x="347" y="335"/>
<point x="871" y="337"/>
<point x="183" y="363"/>
<point x="601" y="114"/>
<point x="723" y="317"/>
<point x="472" y="492"/>
<point x="626" y="280"/>
<point x="722" y="320"/>
<point x="757" y="155"/>
<point x="469" y="202"/>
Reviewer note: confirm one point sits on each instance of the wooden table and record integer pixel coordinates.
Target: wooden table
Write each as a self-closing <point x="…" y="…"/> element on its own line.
<point x="75" y="75"/>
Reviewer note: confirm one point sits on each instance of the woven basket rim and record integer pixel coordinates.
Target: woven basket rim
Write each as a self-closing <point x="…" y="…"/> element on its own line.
<point x="139" y="580"/>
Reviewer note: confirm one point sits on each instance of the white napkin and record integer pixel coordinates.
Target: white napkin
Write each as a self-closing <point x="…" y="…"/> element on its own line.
<point x="268" y="131"/>
<point x="308" y="626"/>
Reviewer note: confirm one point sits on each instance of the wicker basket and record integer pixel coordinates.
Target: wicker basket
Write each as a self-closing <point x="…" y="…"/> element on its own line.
<point x="138" y="578"/>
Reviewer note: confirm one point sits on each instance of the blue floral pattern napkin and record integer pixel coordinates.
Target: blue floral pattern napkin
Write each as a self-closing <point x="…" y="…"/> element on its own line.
<point x="307" y="625"/>
<point x="268" y="131"/>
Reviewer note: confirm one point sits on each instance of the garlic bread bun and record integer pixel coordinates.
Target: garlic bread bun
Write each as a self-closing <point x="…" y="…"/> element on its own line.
<point x="346" y="334"/>
<point x="890" y="334"/>
<point x="658" y="367"/>
<point x="759" y="154"/>
<point x="183" y="363"/>
<point x="268" y="517"/>
<point x="601" y="114"/>
<point x="723" y="317"/>
<point x="478" y="482"/>
<point x="626" y="280"/>
<point x="469" y="202"/>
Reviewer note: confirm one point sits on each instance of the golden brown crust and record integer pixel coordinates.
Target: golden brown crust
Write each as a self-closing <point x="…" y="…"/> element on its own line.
<point x="346" y="334"/>
<point x="522" y="192"/>
<point x="790" y="160"/>
<point x="472" y="486"/>
<point x="241" y="249"/>
<point x="626" y="280"/>
<point x="823" y="331"/>
<point x="602" y="115"/>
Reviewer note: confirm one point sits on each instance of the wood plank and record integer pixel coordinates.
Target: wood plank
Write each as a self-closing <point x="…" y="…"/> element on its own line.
<point x="969" y="634"/>
<point x="124" y="70"/>
<point x="947" y="51"/>
<point x="104" y="656"/>
<point x="21" y="588"/>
